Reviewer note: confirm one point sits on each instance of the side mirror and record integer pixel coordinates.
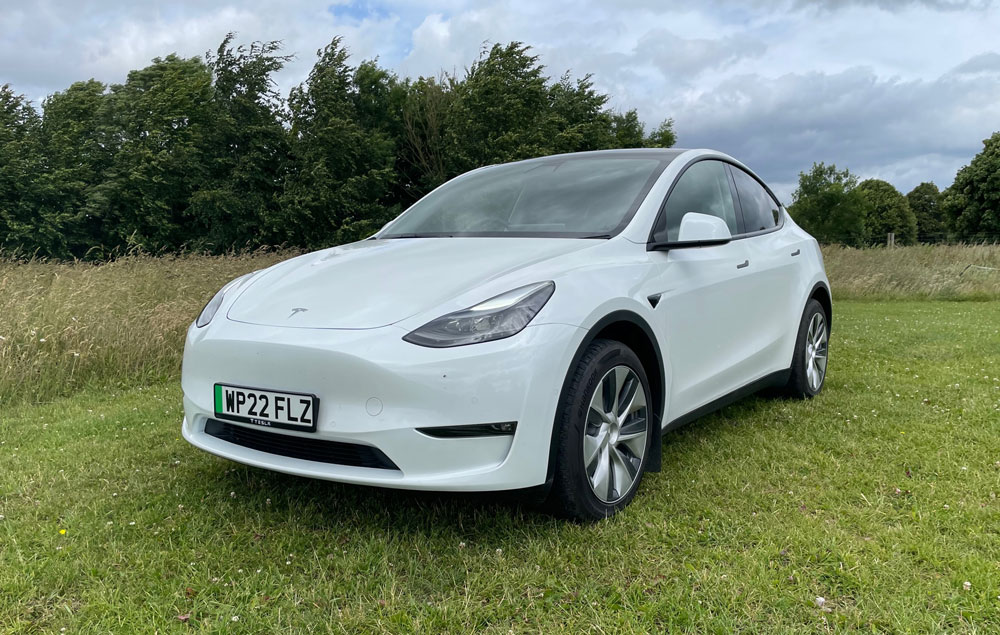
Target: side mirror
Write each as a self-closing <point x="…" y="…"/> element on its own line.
<point x="697" y="230"/>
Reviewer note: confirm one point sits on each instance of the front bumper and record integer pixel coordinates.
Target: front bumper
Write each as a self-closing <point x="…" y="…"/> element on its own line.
<point x="377" y="390"/>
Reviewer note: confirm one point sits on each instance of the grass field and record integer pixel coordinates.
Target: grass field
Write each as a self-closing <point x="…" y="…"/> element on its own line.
<point x="879" y="496"/>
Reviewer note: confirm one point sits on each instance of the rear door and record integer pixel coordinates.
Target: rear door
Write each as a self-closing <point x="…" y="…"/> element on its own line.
<point x="772" y="277"/>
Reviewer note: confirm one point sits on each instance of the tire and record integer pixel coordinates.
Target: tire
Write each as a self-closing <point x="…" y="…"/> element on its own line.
<point x="802" y="382"/>
<point x="612" y="438"/>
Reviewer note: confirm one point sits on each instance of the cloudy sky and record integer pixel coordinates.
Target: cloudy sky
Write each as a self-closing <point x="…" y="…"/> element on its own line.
<point x="904" y="90"/>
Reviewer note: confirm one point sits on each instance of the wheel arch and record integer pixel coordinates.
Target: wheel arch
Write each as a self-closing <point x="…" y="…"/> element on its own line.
<point x="821" y="293"/>
<point x="632" y="330"/>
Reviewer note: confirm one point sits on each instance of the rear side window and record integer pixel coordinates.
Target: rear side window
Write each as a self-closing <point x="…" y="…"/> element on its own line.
<point x="704" y="189"/>
<point x="760" y="211"/>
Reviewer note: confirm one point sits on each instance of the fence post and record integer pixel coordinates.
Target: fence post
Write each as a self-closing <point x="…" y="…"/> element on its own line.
<point x="891" y="240"/>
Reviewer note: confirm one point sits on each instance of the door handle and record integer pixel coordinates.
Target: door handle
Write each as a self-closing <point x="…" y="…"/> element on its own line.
<point x="796" y="252"/>
<point x="746" y="263"/>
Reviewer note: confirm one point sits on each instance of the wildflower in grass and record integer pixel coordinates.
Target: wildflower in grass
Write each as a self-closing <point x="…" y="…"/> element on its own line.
<point x="232" y="494"/>
<point x="967" y="586"/>
<point x="820" y="601"/>
<point x="236" y="618"/>
<point x="62" y="532"/>
<point x="461" y="545"/>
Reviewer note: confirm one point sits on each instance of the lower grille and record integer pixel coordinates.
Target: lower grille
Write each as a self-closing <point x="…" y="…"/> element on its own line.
<point x="318" y="450"/>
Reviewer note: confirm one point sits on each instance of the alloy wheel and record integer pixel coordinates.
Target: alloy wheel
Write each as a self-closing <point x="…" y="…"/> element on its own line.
<point x="614" y="441"/>
<point x="816" y="351"/>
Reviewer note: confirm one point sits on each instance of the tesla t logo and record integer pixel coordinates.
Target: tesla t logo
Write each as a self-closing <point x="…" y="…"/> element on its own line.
<point x="296" y="311"/>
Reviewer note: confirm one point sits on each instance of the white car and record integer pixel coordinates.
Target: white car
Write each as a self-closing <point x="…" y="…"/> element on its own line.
<point x="533" y="325"/>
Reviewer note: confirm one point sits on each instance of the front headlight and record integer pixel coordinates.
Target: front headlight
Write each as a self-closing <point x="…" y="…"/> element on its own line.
<point x="213" y="305"/>
<point x="499" y="317"/>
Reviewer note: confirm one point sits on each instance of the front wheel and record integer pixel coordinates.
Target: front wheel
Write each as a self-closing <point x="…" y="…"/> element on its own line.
<point x="812" y="347"/>
<point x="604" y="433"/>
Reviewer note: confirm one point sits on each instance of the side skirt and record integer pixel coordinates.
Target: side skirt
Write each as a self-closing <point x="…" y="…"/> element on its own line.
<point x="779" y="378"/>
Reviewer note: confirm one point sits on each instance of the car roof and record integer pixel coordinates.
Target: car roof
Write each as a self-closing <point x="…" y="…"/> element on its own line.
<point x="667" y="154"/>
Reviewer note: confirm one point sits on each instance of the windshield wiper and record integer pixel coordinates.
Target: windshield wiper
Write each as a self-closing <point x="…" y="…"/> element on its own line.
<point x="417" y="236"/>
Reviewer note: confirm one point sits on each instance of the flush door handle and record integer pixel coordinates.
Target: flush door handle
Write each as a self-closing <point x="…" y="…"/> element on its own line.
<point x="746" y="263"/>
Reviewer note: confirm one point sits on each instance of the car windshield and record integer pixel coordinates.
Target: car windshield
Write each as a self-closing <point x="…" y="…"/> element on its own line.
<point x="557" y="197"/>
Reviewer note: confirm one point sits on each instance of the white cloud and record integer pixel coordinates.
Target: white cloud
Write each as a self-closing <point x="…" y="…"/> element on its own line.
<point x="904" y="89"/>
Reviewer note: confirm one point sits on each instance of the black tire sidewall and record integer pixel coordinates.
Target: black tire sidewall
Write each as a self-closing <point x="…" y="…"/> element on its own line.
<point x="571" y="483"/>
<point x="799" y="382"/>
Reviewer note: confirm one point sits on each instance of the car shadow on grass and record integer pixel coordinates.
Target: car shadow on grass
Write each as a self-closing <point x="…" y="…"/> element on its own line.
<point x="334" y="506"/>
<point x="266" y="495"/>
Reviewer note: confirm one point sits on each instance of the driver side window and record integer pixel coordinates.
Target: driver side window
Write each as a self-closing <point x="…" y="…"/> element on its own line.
<point x="703" y="188"/>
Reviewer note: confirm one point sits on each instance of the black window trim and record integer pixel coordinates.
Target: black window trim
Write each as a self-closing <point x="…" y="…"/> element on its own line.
<point x="740" y="224"/>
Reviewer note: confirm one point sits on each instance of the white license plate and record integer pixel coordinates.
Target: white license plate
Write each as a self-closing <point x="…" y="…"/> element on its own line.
<point x="296" y="411"/>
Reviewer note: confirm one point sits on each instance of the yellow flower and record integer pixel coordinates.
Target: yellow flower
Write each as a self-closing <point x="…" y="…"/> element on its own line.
<point x="62" y="532"/>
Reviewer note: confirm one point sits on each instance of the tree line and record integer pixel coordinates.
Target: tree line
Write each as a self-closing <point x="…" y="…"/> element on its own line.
<point x="205" y="154"/>
<point x="835" y="208"/>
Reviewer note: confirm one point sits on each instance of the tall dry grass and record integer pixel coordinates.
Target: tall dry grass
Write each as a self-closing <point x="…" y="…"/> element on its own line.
<point x="938" y="272"/>
<point x="68" y="326"/>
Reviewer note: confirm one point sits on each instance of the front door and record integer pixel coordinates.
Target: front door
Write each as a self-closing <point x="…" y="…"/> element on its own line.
<point x="704" y="295"/>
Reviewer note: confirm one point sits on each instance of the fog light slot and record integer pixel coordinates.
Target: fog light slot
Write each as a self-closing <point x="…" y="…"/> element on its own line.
<point x="502" y="429"/>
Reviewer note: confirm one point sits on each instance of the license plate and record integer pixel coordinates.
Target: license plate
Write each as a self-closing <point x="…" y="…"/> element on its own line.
<point x="293" y="410"/>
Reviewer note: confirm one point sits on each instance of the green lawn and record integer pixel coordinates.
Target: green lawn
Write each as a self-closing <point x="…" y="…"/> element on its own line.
<point x="879" y="496"/>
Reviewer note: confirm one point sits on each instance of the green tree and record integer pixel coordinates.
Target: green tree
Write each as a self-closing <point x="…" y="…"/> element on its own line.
<point x="505" y="109"/>
<point x="246" y="147"/>
<point x="381" y="100"/>
<point x="576" y="116"/>
<point x="627" y="130"/>
<point x="19" y="166"/>
<point x="888" y="212"/>
<point x="338" y="187"/>
<point x="500" y="112"/>
<point x="663" y="137"/>
<point x="423" y="143"/>
<point x="829" y="206"/>
<point x="925" y="201"/>
<point x="164" y="119"/>
<point x="973" y="200"/>
<point x="207" y="155"/>
<point x="78" y="151"/>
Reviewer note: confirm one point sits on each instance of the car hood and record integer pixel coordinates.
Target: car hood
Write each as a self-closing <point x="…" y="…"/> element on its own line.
<point x="375" y="283"/>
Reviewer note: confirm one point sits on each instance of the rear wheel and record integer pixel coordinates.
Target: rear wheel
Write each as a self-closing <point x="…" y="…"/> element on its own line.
<point x="811" y="353"/>
<point x="604" y="433"/>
